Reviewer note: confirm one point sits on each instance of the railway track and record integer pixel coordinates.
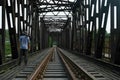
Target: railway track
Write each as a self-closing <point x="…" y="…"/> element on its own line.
<point x="58" y="64"/>
<point x="53" y="67"/>
<point x="95" y="71"/>
<point x="22" y="71"/>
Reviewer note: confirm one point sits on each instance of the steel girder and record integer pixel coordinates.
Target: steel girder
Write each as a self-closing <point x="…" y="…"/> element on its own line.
<point x="19" y="18"/>
<point x="2" y="33"/>
<point x="115" y="31"/>
<point x="10" y="9"/>
<point x="54" y="5"/>
<point x="23" y="15"/>
<point x="88" y="30"/>
<point x="90" y="19"/>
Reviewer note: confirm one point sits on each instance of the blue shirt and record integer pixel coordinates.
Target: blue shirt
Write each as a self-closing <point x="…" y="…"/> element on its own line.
<point x="24" y="41"/>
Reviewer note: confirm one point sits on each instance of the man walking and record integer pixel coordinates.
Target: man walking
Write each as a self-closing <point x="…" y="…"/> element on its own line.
<point x="24" y="43"/>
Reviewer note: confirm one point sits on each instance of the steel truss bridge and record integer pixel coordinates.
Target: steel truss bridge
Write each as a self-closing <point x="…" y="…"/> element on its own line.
<point x="89" y="27"/>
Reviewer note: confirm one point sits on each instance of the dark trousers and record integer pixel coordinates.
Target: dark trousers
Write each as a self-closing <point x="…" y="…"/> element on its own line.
<point x="23" y="54"/>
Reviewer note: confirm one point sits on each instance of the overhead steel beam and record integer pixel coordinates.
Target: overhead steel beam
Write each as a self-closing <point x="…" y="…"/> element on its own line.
<point x="54" y="10"/>
<point x="41" y="4"/>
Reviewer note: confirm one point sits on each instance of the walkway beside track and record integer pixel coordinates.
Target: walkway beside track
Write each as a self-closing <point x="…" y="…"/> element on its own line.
<point x="97" y="70"/>
<point x="22" y="69"/>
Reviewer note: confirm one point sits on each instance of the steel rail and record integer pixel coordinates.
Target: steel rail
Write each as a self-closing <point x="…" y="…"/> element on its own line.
<point x="39" y="71"/>
<point x="72" y="76"/>
<point x="78" y="71"/>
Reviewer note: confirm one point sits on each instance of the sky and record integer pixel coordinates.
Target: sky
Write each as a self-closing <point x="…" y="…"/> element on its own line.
<point x="0" y="16"/>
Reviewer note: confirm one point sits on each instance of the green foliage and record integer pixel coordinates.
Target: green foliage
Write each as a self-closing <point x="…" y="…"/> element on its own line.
<point x="7" y="43"/>
<point x="50" y="41"/>
<point x="107" y="35"/>
<point x="7" y="35"/>
<point x="7" y="48"/>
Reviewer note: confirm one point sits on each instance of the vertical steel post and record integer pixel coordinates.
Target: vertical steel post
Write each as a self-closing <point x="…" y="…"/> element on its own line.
<point x="12" y="30"/>
<point x="2" y="32"/>
<point x="102" y="29"/>
<point x="115" y="32"/>
<point x="73" y="30"/>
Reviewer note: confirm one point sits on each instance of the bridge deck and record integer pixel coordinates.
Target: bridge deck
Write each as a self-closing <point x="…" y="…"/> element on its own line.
<point x="96" y="70"/>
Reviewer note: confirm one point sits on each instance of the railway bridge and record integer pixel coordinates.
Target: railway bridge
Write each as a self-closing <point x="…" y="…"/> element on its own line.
<point x="70" y="39"/>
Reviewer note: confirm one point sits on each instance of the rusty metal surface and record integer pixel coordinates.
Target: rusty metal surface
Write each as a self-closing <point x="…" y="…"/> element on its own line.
<point x="37" y="73"/>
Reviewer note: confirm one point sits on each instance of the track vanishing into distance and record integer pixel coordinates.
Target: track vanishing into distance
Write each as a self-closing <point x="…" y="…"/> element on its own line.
<point x="53" y="67"/>
<point x="58" y="64"/>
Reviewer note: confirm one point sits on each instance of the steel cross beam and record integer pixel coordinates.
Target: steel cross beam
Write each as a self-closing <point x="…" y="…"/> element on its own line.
<point x="41" y="3"/>
<point x="54" y="5"/>
<point x="56" y="23"/>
